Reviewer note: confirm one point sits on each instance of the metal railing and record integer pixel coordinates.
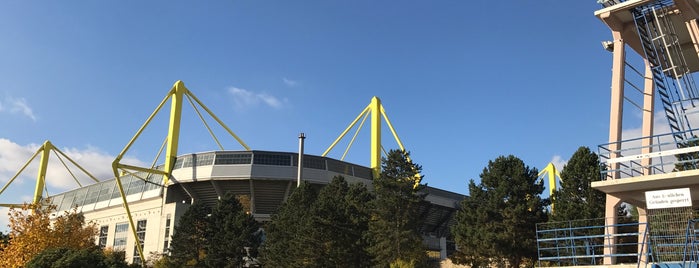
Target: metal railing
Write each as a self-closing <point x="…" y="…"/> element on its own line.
<point x="663" y="155"/>
<point x="583" y="242"/>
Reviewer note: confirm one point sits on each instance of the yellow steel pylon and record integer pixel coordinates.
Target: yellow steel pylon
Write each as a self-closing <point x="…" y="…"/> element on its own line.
<point x="550" y="171"/>
<point x="176" y="95"/>
<point x="45" y="150"/>
<point x="375" y="111"/>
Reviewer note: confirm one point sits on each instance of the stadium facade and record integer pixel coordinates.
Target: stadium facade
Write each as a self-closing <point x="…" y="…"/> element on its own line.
<point x="264" y="178"/>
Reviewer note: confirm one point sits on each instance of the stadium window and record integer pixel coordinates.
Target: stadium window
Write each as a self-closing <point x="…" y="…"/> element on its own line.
<point x="166" y="244"/>
<point x="120" y="235"/>
<point x="232" y="158"/>
<point x="141" y="234"/>
<point x="102" y="240"/>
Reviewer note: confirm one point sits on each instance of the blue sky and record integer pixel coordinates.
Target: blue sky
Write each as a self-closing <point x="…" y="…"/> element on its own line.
<point x="462" y="81"/>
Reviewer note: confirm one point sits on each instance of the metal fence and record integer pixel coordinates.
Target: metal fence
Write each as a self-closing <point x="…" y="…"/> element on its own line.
<point x="582" y="242"/>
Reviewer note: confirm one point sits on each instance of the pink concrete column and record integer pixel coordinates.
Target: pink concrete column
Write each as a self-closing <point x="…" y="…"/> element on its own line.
<point x="642" y="239"/>
<point x="615" y="120"/>
<point x="647" y="127"/>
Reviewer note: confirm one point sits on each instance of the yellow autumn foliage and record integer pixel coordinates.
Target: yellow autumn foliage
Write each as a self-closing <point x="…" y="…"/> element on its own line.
<point x="32" y="230"/>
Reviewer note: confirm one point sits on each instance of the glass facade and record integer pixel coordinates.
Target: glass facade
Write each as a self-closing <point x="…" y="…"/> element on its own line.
<point x="226" y="158"/>
<point x="310" y="161"/>
<point x="140" y="182"/>
<point x="340" y="167"/>
<point x="206" y="159"/>
<point x="272" y="159"/>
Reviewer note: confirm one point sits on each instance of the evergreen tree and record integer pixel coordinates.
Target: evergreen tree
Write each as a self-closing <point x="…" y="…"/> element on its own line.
<point x="578" y="205"/>
<point x="188" y="245"/>
<point x="4" y="239"/>
<point x="358" y="210"/>
<point x="340" y="221"/>
<point x="94" y="257"/>
<point x="231" y="232"/>
<point x="498" y="220"/>
<point x="395" y="222"/>
<point x="627" y="224"/>
<point x="687" y="161"/>
<point x="576" y="200"/>
<point x="287" y="241"/>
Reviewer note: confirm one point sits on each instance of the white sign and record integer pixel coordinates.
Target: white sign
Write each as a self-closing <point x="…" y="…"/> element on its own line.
<point x="673" y="198"/>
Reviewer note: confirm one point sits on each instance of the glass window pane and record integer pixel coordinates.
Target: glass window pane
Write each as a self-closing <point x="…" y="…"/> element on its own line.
<point x="272" y="159"/>
<point x="233" y="158"/>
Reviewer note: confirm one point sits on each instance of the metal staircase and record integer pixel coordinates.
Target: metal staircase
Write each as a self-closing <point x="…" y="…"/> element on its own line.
<point x="671" y="77"/>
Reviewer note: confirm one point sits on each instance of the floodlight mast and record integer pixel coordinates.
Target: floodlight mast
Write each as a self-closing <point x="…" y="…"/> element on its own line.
<point x="375" y="111"/>
<point x="45" y="150"/>
<point x="41" y="176"/>
<point x="376" y="136"/>
<point x="177" y="96"/>
<point x="174" y="127"/>
<point x="552" y="173"/>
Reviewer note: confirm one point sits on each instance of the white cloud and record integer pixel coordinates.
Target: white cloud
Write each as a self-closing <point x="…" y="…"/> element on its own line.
<point x="245" y="98"/>
<point x="289" y="82"/>
<point x="17" y="106"/>
<point x="270" y="100"/>
<point x="20" y="106"/>
<point x="559" y="162"/>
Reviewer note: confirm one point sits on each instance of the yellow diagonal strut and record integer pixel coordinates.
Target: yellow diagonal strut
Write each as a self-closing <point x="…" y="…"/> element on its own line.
<point x="177" y="95"/>
<point x="375" y="111"/>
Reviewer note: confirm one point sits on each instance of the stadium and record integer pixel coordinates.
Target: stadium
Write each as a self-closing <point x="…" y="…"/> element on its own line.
<point x="265" y="178"/>
<point x="139" y="210"/>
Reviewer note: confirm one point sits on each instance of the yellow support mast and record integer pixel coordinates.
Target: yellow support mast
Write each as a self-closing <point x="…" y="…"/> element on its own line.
<point x="45" y="151"/>
<point x="375" y="111"/>
<point x="176" y="95"/>
<point x="173" y="137"/>
<point x="375" y="136"/>
<point x="41" y="176"/>
<point x="551" y="172"/>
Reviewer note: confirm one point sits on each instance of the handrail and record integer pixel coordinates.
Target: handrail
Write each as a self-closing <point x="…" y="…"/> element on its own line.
<point x="663" y="155"/>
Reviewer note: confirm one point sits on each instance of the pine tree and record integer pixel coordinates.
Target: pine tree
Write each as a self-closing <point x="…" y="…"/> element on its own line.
<point x="94" y="257"/>
<point x="188" y="245"/>
<point x="395" y="222"/>
<point x="340" y="221"/>
<point x="231" y="233"/>
<point x="359" y="200"/>
<point x="498" y="220"/>
<point x="687" y="161"/>
<point x="576" y="199"/>
<point x="287" y="241"/>
<point x="4" y="239"/>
